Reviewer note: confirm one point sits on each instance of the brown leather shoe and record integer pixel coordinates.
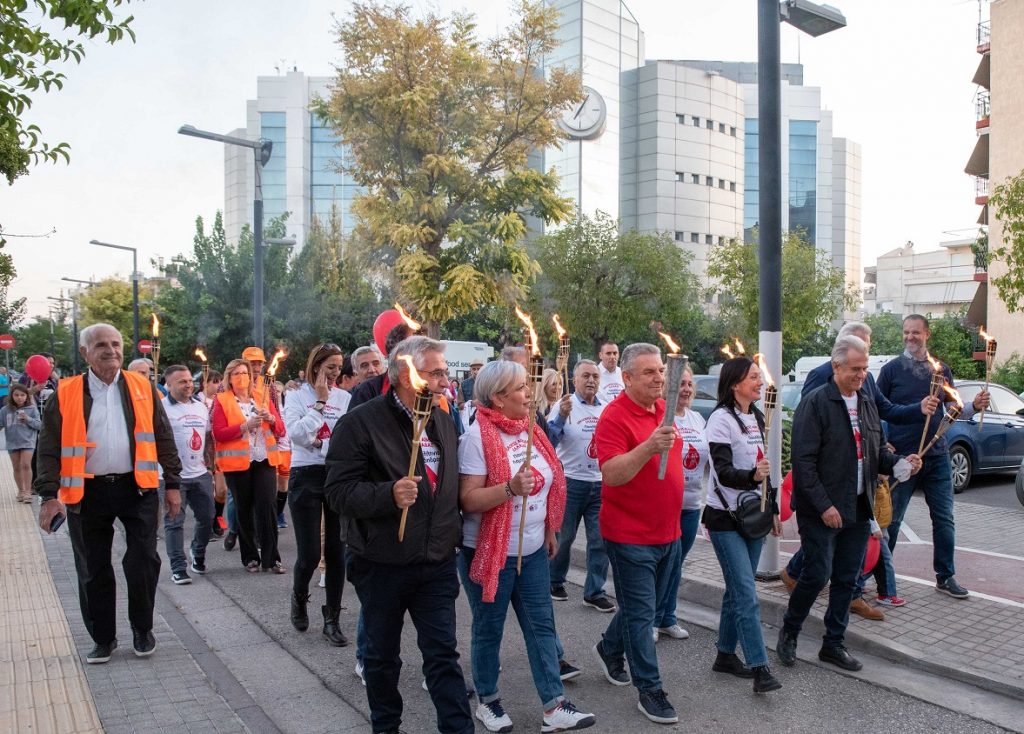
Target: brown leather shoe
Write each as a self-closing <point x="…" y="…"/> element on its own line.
<point x="861" y="607"/>
<point x="787" y="580"/>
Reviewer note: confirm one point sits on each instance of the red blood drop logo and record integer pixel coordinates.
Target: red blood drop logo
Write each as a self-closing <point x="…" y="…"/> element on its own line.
<point x="760" y="455"/>
<point x="591" y="449"/>
<point x="692" y="458"/>
<point x="538" y="480"/>
<point x="196" y="443"/>
<point x="324" y="433"/>
<point x="431" y="477"/>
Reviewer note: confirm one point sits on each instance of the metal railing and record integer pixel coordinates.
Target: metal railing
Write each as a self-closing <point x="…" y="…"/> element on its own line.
<point x="984" y="32"/>
<point x="982" y="104"/>
<point x="980" y="186"/>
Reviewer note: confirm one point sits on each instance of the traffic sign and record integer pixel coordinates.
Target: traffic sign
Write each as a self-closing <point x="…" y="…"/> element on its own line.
<point x="6" y="341"/>
<point x="145" y="346"/>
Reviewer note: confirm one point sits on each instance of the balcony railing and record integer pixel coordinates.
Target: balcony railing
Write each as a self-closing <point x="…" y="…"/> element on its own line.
<point x="980" y="190"/>
<point x="982" y="108"/>
<point x="984" y="36"/>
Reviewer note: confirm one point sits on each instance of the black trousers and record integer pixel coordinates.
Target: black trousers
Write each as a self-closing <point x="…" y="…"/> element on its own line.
<point x="91" y="527"/>
<point x="255" y="494"/>
<point x="309" y="505"/>
<point x="428" y="592"/>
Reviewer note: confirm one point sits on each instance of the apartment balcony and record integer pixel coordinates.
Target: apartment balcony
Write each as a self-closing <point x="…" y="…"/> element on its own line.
<point x="984" y="36"/>
<point x="983" y="74"/>
<point x="982" y="110"/>
<point x="981" y="190"/>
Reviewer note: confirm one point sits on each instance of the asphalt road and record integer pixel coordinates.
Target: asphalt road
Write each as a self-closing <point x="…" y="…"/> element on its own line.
<point x="992" y="490"/>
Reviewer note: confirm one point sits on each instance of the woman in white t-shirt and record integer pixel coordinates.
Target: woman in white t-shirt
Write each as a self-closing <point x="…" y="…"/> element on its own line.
<point x="690" y="427"/>
<point x="494" y="483"/>
<point x="735" y="434"/>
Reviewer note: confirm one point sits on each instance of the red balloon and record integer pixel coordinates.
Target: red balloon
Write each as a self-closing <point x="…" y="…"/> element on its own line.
<point x="871" y="557"/>
<point x="38" y="368"/>
<point x="385" y="322"/>
<point x="786" y="497"/>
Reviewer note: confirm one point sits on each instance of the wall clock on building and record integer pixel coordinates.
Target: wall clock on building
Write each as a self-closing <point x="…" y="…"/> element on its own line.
<point x="585" y="120"/>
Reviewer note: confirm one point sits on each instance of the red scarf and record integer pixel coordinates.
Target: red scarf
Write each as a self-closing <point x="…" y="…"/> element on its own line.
<point x="496" y="525"/>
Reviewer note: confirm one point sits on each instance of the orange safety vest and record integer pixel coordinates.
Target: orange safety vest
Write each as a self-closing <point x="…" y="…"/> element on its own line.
<point x="73" y="440"/>
<point x="234" y="455"/>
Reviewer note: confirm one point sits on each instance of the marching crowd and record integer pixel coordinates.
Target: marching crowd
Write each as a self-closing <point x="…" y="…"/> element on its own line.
<point x="489" y="502"/>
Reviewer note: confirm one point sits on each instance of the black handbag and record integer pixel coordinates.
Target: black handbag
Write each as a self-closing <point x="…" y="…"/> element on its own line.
<point x="750" y="521"/>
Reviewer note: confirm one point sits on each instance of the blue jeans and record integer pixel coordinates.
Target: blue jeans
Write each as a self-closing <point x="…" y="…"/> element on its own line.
<point x="796" y="564"/>
<point x="582" y="501"/>
<point x="835" y="554"/>
<point x="936" y="482"/>
<point x="230" y="514"/>
<point x="884" y="572"/>
<point x="642" y="577"/>
<point x="198" y="494"/>
<point x="740" y="619"/>
<point x="689" y="522"/>
<point x="530" y="596"/>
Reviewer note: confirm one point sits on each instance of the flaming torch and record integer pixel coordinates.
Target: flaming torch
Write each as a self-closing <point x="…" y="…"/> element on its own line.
<point x="535" y="378"/>
<point x="990" y="355"/>
<point x="771" y="402"/>
<point x="206" y="365"/>
<point x="275" y="363"/>
<point x="727" y="351"/>
<point x="156" y="348"/>
<point x="676" y="364"/>
<point x="739" y="347"/>
<point x="951" y="416"/>
<point x="562" y="360"/>
<point x="409" y="320"/>
<point x="420" y="416"/>
<point x="938" y="382"/>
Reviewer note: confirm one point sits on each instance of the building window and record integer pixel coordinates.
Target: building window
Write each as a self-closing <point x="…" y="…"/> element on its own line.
<point x="803" y="177"/>
<point x="732" y="131"/>
<point x="709" y="181"/>
<point x="732" y="186"/>
<point x="721" y="183"/>
<point x="721" y="127"/>
<point x="680" y="236"/>
<point x="709" y="239"/>
<point x="710" y="124"/>
<point x="696" y="122"/>
<point x="695" y="178"/>
<point x="694" y="238"/>
<point x="721" y="240"/>
<point x="680" y="176"/>
<point x="681" y="119"/>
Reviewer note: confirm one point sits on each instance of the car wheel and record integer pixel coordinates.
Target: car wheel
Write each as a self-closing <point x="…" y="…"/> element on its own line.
<point x="960" y="464"/>
<point x="1020" y="487"/>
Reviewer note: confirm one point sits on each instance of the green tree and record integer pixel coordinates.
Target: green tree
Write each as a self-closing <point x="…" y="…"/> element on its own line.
<point x="28" y="51"/>
<point x="44" y="334"/>
<point x="11" y="312"/>
<point x="952" y="341"/>
<point x="814" y="292"/>
<point x="440" y="127"/>
<point x="610" y="285"/>
<point x="1010" y="373"/>
<point x="1007" y="202"/>
<point x="110" y="301"/>
<point x="886" y="333"/>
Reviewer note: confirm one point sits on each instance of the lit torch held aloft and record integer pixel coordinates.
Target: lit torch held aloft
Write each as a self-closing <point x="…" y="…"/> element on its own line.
<point x="938" y="382"/>
<point x="420" y="416"/>
<point x="275" y="364"/>
<point x="675" y="365"/>
<point x="206" y="365"/>
<point x="156" y="348"/>
<point x="771" y="402"/>
<point x="990" y="356"/>
<point x="409" y="320"/>
<point x="952" y="415"/>
<point x="562" y="360"/>
<point x="535" y="379"/>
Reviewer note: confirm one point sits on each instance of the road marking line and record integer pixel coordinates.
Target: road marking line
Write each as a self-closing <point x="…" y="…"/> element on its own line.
<point x="978" y="594"/>
<point x="912" y="537"/>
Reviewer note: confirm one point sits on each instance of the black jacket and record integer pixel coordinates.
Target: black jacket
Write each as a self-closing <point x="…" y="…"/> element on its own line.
<point x="48" y="448"/>
<point x="825" y="453"/>
<point x="368" y="453"/>
<point x="367" y="390"/>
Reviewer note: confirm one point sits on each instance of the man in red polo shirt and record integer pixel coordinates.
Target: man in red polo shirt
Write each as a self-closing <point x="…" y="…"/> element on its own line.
<point x="639" y="523"/>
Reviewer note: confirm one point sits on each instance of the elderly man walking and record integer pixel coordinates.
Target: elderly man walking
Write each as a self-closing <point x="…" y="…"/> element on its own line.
<point x="103" y="436"/>
<point x="838" y="454"/>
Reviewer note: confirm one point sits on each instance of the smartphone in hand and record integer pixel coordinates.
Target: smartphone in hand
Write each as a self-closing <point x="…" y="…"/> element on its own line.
<point x="57" y="521"/>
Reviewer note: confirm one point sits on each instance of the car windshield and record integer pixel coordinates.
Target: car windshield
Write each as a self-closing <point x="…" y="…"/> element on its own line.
<point x="791" y="395"/>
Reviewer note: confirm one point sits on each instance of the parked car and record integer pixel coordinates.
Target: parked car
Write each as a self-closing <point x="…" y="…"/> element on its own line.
<point x="997" y="447"/>
<point x="1020" y="483"/>
<point x="705" y="396"/>
<point x="789" y="396"/>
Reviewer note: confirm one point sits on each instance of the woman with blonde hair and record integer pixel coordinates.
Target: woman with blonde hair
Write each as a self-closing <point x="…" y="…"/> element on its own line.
<point x="551" y="388"/>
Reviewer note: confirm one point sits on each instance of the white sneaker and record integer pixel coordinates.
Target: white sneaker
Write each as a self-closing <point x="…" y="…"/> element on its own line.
<point x="566" y="717"/>
<point x="654" y="633"/>
<point x="423" y="685"/>
<point x="323" y="580"/>
<point x="494" y="717"/>
<point x="675" y="632"/>
<point x="360" y="673"/>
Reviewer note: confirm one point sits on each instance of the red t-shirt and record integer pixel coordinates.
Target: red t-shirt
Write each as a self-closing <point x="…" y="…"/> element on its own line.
<point x="644" y="510"/>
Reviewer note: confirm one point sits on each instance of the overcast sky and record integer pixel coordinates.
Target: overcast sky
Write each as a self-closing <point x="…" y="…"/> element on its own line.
<point x="898" y="79"/>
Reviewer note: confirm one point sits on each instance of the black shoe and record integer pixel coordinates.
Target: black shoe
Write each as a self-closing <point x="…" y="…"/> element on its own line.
<point x="655" y="706"/>
<point x="198" y="565"/>
<point x="764" y="681"/>
<point x="839" y="655"/>
<point x="101" y="653"/>
<point x="332" y="631"/>
<point x="567" y="671"/>
<point x="951" y="587"/>
<point x="786" y="648"/>
<point x="558" y="593"/>
<point x="614" y="669"/>
<point x="143" y="642"/>
<point x="727" y="662"/>
<point x="229" y="540"/>
<point x="300" y="618"/>
<point x="181" y="577"/>
<point x="600" y="603"/>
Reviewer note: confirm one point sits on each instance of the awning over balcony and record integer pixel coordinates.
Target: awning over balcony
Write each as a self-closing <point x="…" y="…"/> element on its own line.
<point x="978" y="164"/>
<point x="983" y="217"/>
<point x="924" y="294"/>
<point x="977" y="312"/>
<point x="981" y="76"/>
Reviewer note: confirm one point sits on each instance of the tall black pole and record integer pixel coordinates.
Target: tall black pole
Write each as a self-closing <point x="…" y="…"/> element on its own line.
<point x="135" y="303"/>
<point x="75" y="357"/>
<point x="257" y="256"/>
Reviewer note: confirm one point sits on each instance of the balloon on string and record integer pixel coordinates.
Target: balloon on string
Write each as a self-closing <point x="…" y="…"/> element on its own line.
<point x="385" y="322"/>
<point x="786" y="497"/>
<point x="38" y="368"/>
<point x="871" y="556"/>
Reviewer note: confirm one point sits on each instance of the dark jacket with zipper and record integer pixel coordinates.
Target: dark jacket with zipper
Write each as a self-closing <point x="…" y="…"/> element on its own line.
<point x="368" y="453"/>
<point x="825" y="454"/>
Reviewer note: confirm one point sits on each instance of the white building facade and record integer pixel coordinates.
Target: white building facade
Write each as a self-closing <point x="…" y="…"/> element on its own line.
<point x="934" y="282"/>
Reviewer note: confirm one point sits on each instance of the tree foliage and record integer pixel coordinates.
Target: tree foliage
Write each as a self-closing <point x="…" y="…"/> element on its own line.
<point x="886" y="333"/>
<point x="45" y="334"/>
<point x="951" y="340"/>
<point x="28" y="51"/>
<point x="11" y="312"/>
<point x="1010" y="373"/>
<point x="814" y="292"/>
<point x="110" y="301"/>
<point x="1007" y="201"/>
<point x="440" y="126"/>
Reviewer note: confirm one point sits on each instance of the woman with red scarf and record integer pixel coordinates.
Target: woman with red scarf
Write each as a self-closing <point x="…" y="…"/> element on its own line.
<point x="494" y="484"/>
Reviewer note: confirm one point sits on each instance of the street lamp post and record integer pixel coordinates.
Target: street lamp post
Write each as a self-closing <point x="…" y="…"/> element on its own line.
<point x="261" y="154"/>
<point x="76" y="358"/>
<point x="74" y="328"/>
<point x="135" y="289"/>
<point x="815" y="20"/>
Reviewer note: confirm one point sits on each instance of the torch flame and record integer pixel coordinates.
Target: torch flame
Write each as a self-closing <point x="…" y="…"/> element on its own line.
<point x="728" y="352"/>
<point x="528" y="323"/>
<point x="418" y="383"/>
<point x="936" y="364"/>
<point x="558" y="326"/>
<point x="201" y="354"/>
<point x="954" y="394"/>
<point x="409" y="320"/>
<point x="739" y="346"/>
<point x="984" y="335"/>
<point x="670" y="342"/>
<point x="156" y="326"/>
<point x="276" y="362"/>
<point x="763" y="366"/>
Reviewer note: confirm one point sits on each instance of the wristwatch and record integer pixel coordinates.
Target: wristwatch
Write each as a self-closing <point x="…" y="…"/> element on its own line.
<point x="319" y="406"/>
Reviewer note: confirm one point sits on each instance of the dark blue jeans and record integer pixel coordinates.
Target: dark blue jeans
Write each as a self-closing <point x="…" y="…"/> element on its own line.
<point x="935" y="480"/>
<point x="308" y="506"/>
<point x="829" y="553"/>
<point x="427" y="591"/>
<point x="739" y="621"/>
<point x="582" y="502"/>
<point x="689" y="522"/>
<point x="642" y="576"/>
<point x="198" y="494"/>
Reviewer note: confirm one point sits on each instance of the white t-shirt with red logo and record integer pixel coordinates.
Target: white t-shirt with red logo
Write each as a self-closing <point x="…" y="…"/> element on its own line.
<point x="611" y="384"/>
<point x="851" y="408"/>
<point x="747" y="451"/>
<point x="471" y="461"/>
<point x="307" y="425"/>
<point x="431" y="459"/>
<point x="190" y="422"/>
<point x="690" y="428"/>
<point x="576" y="448"/>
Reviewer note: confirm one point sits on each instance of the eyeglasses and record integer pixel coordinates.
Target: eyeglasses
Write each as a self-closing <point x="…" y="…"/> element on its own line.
<point x="326" y="347"/>
<point x="437" y="374"/>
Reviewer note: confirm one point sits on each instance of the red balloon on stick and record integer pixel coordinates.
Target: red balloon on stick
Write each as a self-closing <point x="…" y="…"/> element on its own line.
<point x="785" y="500"/>
<point x="38" y="368"/>
<point x="385" y="322"/>
<point x="871" y="557"/>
